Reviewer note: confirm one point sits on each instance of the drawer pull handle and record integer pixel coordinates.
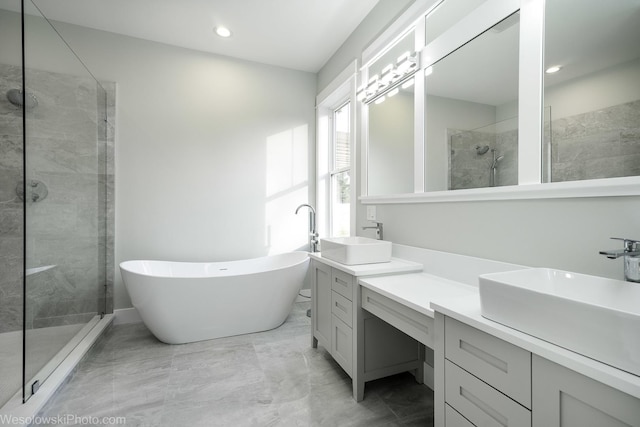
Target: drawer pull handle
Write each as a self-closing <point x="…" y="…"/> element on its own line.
<point x="419" y="326"/>
<point x="341" y="307"/>
<point x="473" y="399"/>
<point x="483" y="355"/>
<point x="342" y="282"/>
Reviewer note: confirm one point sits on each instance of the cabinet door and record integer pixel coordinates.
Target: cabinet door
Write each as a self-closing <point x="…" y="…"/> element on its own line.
<point x="342" y="345"/>
<point x="321" y="297"/>
<point x="565" y="398"/>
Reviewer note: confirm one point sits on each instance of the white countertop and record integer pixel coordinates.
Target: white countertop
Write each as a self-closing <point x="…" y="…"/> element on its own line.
<point x="467" y="310"/>
<point x="394" y="266"/>
<point x="418" y="290"/>
<point x="427" y="293"/>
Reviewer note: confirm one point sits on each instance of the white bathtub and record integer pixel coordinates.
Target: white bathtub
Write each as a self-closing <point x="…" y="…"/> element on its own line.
<point x="183" y="302"/>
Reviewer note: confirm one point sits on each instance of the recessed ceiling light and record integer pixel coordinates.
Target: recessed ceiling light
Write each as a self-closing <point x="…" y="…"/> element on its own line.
<point x="553" y="69"/>
<point x="223" y="32"/>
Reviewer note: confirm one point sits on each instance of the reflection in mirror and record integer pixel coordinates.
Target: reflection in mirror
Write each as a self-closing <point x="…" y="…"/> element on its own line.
<point x="470" y="94"/>
<point x="592" y="100"/>
<point x="484" y="157"/>
<point x="446" y="14"/>
<point x="391" y="142"/>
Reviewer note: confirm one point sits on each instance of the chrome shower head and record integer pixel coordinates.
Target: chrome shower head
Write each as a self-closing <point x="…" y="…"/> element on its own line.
<point x="15" y="97"/>
<point x="482" y="150"/>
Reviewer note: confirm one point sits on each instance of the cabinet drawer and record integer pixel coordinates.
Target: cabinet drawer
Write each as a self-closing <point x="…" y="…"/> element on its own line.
<point x="415" y="324"/>
<point x="342" y="283"/>
<point x="342" y="308"/>
<point x="342" y="344"/>
<point x="481" y="404"/>
<point x="496" y="362"/>
<point x="453" y="419"/>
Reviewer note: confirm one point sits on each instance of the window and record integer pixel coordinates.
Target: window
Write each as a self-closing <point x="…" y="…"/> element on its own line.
<point x="340" y="172"/>
<point x="335" y="161"/>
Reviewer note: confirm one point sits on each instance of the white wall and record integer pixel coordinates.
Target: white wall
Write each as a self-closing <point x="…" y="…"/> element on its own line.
<point x="605" y="88"/>
<point x="561" y="233"/>
<point x="213" y="154"/>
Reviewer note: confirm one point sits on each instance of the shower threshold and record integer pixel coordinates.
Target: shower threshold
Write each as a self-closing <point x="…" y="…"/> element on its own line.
<point x="75" y="349"/>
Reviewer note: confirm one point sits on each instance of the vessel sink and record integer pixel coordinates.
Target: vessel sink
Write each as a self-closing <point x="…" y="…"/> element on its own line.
<point x="355" y="250"/>
<point x="594" y="316"/>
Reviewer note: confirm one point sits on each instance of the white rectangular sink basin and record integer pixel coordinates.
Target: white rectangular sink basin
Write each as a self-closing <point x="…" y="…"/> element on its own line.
<point x="355" y="250"/>
<point x="594" y="316"/>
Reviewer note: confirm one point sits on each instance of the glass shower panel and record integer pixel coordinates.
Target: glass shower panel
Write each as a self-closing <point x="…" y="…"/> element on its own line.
<point x="64" y="193"/>
<point x="11" y="207"/>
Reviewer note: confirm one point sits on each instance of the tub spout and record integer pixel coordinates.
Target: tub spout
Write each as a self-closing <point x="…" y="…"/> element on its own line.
<point x="313" y="234"/>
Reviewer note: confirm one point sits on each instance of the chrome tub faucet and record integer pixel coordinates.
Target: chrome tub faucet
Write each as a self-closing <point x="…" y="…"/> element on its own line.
<point x="631" y="258"/>
<point x="313" y="234"/>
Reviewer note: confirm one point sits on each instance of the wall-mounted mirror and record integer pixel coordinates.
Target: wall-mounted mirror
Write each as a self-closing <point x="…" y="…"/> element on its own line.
<point x="391" y="129"/>
<point x="592" y="93"/>
<point x="470" y="113"/>
<point x="391" y="142"/>
<point x="492" y="117"/>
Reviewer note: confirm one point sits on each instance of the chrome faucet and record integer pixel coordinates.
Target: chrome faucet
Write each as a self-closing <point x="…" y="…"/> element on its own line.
<point x="631" y="257"/>
<point x="313" y="234"/>
<point x="378" y="228"/>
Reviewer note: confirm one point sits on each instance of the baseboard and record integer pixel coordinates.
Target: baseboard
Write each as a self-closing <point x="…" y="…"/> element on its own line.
<point x="126" y="315"/>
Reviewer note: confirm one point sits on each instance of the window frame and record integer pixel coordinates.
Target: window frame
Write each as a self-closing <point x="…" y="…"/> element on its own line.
<point x="337" y="94"/>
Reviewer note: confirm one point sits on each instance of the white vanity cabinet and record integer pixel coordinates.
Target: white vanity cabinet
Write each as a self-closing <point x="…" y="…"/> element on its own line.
<point x="565" y="398"/>
<point x="486" y="381"/>
<point x="343" y="328"/>
<point x="332" y="313"/>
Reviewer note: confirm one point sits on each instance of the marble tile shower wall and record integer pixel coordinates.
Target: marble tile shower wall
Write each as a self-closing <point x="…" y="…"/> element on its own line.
<point x="468" y="169"/>
<point x="11" y="210"/>
<point x="598" y="144"/>
<point x="73" y="227"/>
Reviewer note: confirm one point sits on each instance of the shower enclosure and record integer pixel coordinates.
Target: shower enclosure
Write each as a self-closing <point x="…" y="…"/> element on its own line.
<point x="484" y="157"/>
<point x="56" y="199"/>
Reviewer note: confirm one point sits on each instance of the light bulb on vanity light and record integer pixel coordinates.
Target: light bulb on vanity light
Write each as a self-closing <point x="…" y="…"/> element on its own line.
<point x="379" y="100"/>
<point x="407" y="84"/>
<point x="553" y="69"/>
<point x="223" y="32"/>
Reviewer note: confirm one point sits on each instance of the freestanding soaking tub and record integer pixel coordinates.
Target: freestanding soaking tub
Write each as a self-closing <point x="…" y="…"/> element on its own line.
<point x="183" y="302"/>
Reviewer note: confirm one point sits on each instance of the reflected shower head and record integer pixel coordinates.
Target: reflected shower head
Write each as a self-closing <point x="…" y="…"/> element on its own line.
<point x="15" y="97"/>
<point x="482" y="150"/>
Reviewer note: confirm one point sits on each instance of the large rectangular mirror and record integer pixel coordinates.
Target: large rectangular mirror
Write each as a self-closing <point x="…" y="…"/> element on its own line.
<point x="391" y="133"/>
<point x="486" y="114"/>
<point x="592" y="89"/>
<point x="471" y="102"/>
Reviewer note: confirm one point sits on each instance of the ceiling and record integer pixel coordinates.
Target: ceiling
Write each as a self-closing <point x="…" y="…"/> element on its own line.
<point x="296" y="34"/>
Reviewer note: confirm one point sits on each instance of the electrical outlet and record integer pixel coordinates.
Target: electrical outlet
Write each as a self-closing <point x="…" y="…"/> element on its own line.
<point x="371" y="213"/>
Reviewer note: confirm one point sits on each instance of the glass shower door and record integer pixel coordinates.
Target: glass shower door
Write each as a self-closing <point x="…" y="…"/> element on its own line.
<point x="65" y="199"/>
<point x="11" y="207"/>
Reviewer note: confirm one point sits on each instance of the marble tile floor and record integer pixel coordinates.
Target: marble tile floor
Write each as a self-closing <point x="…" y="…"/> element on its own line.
<point x="271" y="378"/>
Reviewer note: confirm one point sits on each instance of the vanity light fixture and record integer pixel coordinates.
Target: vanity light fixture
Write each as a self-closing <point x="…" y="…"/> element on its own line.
<point x="380" y="100"/>
<point x="390" y="76"/>
<point x="393" y="92"/>
<point x="553" y="69"/>
<point x="428" y="71"/>
<point x="223" y="32"/>
<point x="407" y="84"/>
